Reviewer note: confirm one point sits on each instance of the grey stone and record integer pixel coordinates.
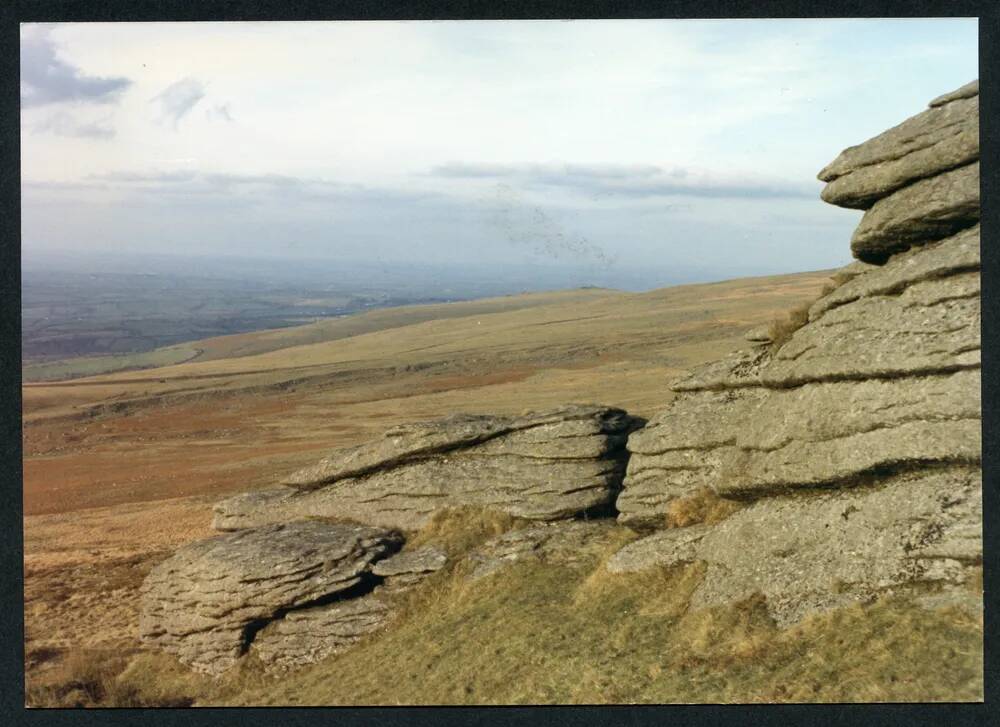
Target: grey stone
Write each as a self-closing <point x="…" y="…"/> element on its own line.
<point x="544" y="466"/>
<point x="308" y="635"/>
<point x="682" y="450"/>
<point x="927" y="210"/>
<point x="408" y="568"/>
<point x="563" y="543"/>
<point x="801" y="463"/>
<point x="202" y="602"/>
<point x="931" y="327"/>
<point x="825" y="411"/>
<point x="956" y="254"/>
<point x="967" y="91"/>
<point x="575" y="430"/>
<point x="941" y="138"/>
<point x="809" y="553"/>
<point x="662" y="549"/>
<point x="739" y="369"/>
<point x="759" y="334"/>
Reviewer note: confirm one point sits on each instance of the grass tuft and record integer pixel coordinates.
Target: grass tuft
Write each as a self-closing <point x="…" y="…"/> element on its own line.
<point x="781" y="330"/>
<point x="459" y="530"/>
<point x="704" y="506"/>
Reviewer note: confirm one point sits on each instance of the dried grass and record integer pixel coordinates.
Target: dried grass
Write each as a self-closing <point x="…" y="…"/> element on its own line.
<point x="781" y="330"/>
<point x="704" y="506"/>
<point x="459" y="530"/>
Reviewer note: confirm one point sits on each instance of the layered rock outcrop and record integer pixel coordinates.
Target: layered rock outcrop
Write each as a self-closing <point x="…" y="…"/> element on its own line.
<point x="870" y="410"/>
<point x="918" y="530"/>
<point x="540" y="466"/>
<point x="943" y="137"/>
<point x="205" y="602"/>
<point x="852" y="443"/>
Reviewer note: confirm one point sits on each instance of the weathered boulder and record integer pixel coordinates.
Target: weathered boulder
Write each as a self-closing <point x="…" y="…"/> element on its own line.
<point x="308" y="635"/>
<point x="924" y="211"/>
<point x="739" y="369"/>
<point x="811" y="552"/>
<point x="204" y="602"/>
<point x="406" y="569"/>
<point x="943" y="137"/>
<point x="885" y="374"/>
<point x="833" y="432"/>
<point x="759" y="334"/>
<point x="570" y="432"/>
<point x="541" y="466"/>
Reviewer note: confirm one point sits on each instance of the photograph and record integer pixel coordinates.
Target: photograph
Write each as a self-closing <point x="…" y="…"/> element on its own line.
<point x="378" y="363"/>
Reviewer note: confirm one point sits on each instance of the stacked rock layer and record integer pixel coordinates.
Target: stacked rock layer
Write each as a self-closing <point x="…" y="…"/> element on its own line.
<point x="871" y="410"/>
<point x="853" y="443"/>
<point x="540" y="466"/>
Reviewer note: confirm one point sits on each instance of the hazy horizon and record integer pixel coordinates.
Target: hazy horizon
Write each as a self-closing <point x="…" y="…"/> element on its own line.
<point x="654" y="151"/>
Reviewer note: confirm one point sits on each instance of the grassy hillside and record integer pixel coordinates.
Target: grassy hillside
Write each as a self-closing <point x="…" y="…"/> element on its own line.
<point x="249" y="344"/>
<point x="120" y="469"/>
<point x="540" y="633"/>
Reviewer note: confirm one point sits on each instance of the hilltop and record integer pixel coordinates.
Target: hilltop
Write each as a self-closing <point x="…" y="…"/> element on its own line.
<point x="766" y="504"/>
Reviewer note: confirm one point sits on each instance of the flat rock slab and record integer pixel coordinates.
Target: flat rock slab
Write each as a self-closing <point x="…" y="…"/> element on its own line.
<point x="833" y="432"/>
<point x="932" y="326"/>
<point x="927" y="210"/>
<point x="943" y="137"/>
<point x="201" y="603"/>
<point x="967" y="91"/>
<point x="737" y="370"/>
<point x="546" y="466"/>
<point x="759" y="334"/>
<point x="812" y="552"/>
<point x="530" y="435"/>
<point x="951" y="256"/>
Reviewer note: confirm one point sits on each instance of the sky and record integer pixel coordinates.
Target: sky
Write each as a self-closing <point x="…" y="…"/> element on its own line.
<point x="685" y="149"/>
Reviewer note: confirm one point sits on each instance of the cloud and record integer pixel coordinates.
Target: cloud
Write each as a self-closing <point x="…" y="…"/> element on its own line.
<point x="63" y="124"/>
<point x="463" y="170"/>
<point x="177" y="99"/>
<point x="47" y="79"/>
<point x="287" y="190"/>
<point x="628" y="181"/>
<point x="144" y="177"/>
<point x="222" y="112"/>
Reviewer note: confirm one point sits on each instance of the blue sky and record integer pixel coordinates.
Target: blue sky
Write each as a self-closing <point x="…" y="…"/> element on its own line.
<point x="673" y="145"/>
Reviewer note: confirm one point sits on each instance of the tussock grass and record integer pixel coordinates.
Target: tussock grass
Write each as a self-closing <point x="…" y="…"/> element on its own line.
<point x="458" y="530"/>
<point x="94" y="678"/>
<point x="542" y="633"/>
<point x="538" y="633"/>
<point x="704" y="506"/>
<point x="781" y="330"/>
